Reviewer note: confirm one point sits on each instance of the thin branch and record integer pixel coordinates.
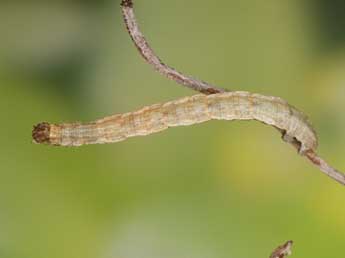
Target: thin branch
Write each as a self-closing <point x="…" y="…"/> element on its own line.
<point x="282" y="251"/>
<point x="151" y="58"/>
<point x="325" y="167"/>
<point x="203" y="87"/>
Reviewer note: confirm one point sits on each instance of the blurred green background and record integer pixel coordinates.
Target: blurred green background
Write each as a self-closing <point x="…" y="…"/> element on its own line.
<point x="219" y="189"/>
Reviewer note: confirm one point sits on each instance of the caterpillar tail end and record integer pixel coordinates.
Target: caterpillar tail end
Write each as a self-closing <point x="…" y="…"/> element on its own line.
<point x="41" y="133"/>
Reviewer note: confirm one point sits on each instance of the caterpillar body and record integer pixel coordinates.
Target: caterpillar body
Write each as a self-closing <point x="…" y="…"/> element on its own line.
<point x="238" y="105"/>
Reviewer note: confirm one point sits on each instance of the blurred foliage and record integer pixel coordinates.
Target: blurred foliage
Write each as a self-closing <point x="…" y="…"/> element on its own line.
<point x="217" y="189"/>
<point x="330" y="19"/>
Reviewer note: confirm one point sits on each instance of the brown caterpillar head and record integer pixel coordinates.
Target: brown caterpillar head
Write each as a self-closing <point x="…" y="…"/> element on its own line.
<point x="41" y="133"/>
<point x="127" y="3"/>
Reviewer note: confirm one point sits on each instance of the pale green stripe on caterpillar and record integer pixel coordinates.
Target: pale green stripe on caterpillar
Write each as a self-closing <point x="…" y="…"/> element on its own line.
<point x="196" y="109"/>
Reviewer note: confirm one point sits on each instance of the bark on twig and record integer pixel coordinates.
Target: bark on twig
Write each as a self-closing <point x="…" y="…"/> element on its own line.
<point x="325" y="167"/>
<point x="150" y="57"/>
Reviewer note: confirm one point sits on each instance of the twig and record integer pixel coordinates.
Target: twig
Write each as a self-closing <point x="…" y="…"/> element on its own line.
<point x="325" y="167"/>
<point x="203" y="87"/>
<point x="151" y="58"/>
<point x="282" y="251"/>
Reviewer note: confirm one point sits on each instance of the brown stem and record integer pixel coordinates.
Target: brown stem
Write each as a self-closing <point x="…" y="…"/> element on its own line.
<point x="282" y="251"/>
<point x="325" y="167"/>
<point x="150" y="57"/>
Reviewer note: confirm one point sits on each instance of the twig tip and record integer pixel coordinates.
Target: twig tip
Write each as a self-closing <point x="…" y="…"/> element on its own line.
<point x="282" y="251"/>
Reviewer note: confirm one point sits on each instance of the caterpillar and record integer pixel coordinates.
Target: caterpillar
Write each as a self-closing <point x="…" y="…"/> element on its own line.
<point x="238" y="105"/>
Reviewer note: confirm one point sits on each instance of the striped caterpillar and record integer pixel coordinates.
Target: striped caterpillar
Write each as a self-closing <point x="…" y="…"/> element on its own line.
<point x="185" y="111"/>
<point x="216" y="104"/>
